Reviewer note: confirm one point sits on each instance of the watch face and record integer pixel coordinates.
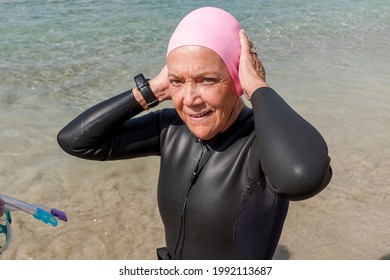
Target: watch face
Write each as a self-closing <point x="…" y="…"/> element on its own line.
<point x="140" y="81"/>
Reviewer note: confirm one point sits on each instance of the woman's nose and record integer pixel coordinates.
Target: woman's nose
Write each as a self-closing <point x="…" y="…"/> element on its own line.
<point x="192" y="95"/>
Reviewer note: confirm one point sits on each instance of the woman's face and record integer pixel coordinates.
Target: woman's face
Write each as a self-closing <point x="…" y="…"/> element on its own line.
<point x="202" y="90"/>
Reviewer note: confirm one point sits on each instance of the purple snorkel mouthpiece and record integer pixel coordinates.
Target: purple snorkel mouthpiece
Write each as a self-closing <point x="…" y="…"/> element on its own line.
<point x="59" y="214"/>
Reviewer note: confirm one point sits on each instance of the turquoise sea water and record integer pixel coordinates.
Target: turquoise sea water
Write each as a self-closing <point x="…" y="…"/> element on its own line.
<point x="328" y="59"/>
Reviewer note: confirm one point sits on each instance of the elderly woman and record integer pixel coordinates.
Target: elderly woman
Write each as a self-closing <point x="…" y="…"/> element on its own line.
<point x="227" y="171"/>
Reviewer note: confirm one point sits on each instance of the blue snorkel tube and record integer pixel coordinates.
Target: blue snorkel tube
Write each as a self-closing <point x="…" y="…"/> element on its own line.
<point x="39" y="212"/>
<point x="42" y="213"/>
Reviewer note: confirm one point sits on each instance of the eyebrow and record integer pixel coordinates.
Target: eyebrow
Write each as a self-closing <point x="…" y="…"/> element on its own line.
<point x="200" y="74"/>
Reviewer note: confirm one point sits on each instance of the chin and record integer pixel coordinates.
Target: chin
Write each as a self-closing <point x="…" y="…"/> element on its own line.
<point x="203" y="135"/>
<point x="204" y="131"/>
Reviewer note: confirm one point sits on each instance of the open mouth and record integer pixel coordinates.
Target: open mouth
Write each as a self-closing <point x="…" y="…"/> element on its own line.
<point x="200" y="116"/>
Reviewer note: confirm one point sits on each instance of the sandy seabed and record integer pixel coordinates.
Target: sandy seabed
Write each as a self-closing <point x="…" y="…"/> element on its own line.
<point x="113" y="214"/>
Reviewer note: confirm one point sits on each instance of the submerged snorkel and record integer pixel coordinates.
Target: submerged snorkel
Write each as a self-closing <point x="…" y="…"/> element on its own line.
<point x="42" y="213"/>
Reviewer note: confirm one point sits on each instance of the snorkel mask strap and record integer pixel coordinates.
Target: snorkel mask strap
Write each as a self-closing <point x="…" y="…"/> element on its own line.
<point x="6" y="230"/>
<point x="8" y="216"/>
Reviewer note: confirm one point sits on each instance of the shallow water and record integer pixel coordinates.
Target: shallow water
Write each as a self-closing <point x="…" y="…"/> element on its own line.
<point x="329" y="60"/>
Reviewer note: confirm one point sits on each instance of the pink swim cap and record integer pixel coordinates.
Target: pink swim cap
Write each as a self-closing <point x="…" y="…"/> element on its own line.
<point x="215" y="29"/>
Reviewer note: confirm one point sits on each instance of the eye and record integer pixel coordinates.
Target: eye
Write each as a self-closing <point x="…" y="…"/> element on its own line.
<point x="209" y="81"/>
<point x="175" y="82"/>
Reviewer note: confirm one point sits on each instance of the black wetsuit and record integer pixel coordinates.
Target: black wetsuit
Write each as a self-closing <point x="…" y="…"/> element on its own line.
<point x="222" y="199"/>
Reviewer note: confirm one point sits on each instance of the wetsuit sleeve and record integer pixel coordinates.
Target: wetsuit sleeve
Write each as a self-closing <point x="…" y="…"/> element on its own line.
<point x="293" y="154"/>
<point x="107" y="132"/>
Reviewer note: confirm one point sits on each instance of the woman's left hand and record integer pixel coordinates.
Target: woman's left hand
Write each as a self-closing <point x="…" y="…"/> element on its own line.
<point x="251" y="70"/>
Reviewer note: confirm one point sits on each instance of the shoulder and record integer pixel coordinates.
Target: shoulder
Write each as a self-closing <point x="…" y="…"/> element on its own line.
<point x="167" y="117"/>
<point x="169" y="114"/>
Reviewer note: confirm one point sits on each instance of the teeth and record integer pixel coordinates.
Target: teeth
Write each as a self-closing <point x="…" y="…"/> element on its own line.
<point x="200" y="115"/>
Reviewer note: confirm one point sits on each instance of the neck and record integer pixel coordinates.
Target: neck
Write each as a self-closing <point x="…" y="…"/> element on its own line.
<point x="235" y="112"/>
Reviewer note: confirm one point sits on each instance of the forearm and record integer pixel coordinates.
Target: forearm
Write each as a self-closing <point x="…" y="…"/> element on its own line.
<point x="293" y="154"/>
<point x="84" y="135"/>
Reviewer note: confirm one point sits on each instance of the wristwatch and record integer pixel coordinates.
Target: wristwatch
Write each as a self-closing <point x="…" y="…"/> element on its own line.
<point x="144" y="88"/>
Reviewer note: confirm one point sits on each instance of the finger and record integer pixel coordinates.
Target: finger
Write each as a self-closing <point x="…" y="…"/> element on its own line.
<point x="245" y="45"/>
<point x="252" y="49"/>
<point x="259" y="67"/>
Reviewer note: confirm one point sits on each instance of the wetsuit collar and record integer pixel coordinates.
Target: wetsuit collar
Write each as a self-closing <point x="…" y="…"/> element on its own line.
<point x="223" y="139"/>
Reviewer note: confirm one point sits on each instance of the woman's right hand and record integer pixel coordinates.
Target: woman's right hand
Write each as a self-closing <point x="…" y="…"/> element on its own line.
<point x="160" y="85"/>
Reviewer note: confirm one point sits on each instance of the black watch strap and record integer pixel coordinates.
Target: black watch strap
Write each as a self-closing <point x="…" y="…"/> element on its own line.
<point x="144" y="88"/>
